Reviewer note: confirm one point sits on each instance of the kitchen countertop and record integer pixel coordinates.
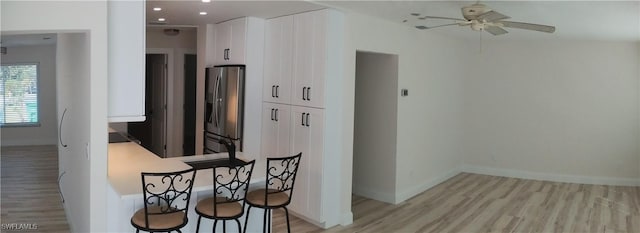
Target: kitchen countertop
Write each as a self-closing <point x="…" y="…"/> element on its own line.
<point x="128" y="159"/>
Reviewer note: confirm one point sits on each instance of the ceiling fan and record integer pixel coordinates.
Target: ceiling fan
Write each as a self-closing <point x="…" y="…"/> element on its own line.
<point x="481" y="18"/>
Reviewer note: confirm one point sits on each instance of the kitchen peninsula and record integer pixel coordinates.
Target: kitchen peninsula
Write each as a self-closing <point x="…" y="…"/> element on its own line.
<point x="124" y="195"/>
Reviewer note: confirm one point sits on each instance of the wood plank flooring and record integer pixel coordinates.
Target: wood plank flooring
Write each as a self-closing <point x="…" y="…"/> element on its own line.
<point x="480" y="203"/>
<point x="29" y="189"/>
<point x="464" y="203"/>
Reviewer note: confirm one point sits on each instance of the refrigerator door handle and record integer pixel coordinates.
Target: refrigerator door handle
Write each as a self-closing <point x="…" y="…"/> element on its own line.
<point x="216" y="103"/>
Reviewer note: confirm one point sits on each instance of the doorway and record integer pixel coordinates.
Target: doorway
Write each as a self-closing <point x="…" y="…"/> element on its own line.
<point x="189" y="121"/>
<point x="152" y="132"/>
<point x="375" y="126"/>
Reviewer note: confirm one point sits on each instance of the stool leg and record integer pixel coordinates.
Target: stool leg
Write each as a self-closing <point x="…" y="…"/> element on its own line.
<point x="224" y="226"/>
<point x="198" y="225"/>
<point x="215" y="222"/>
<point x="246" y="219"/>
<point x="239" y="226"/>
<point x="269" y="219"/>
<point x="287" y="214"/>
<point x="264" y="221"/>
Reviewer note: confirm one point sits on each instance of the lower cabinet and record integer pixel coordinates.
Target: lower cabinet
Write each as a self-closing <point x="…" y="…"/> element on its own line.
<point x="289" y="130"/>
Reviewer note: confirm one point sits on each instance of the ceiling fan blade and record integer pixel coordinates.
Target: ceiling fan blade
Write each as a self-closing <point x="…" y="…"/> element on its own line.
<point x="438" y="17"/>
<point x="425" y="27"/>
<point x="495" y="30"/>
<point x="491" y="16"/>
<point x="527" y="26"/>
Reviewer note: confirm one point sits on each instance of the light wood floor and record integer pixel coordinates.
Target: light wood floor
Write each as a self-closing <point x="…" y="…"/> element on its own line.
<point x="29" y="188"/>
<point x="479" y="203"/>
<point x="464" y="203"/>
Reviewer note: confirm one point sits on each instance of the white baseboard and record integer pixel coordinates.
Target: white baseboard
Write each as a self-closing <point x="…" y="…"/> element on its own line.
<point x="369" y="193"/>
<point x="411" y="192"/>
<point x="598" y="180"/>
<point x="346" y="219"/>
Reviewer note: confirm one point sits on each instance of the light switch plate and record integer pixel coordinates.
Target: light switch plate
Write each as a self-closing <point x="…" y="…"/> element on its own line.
<point x="404" y="92"/>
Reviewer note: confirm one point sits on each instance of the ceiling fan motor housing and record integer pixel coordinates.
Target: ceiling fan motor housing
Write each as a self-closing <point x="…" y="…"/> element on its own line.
<point x="473" y="11"/>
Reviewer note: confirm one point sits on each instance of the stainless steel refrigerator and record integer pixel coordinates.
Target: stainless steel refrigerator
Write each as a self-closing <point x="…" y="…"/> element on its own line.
<point x="224" y="107"/>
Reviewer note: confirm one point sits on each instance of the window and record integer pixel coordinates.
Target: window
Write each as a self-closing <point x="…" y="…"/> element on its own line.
<point x="19" y="91"/>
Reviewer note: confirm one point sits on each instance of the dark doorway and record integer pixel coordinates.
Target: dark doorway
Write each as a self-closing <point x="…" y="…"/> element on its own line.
<point x="189" y="135"/>
<point x="151" y="132"/>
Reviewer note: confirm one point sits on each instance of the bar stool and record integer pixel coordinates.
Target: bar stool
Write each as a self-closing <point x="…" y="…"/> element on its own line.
<point x="230" y="189"/>
<point x="280" y="178"/>
<point x="166" y="201"/>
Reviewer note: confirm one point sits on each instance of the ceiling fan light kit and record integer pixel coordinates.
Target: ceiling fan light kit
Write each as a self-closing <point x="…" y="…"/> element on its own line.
<point x="481" y="18"/>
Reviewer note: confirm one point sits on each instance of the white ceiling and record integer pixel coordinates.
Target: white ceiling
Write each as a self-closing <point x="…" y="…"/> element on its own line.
<point x="591" y="20"/>
<point x="187" y="12"/>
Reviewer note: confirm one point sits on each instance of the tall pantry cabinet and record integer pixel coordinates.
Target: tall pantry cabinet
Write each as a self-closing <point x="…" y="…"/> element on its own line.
<point x="296" y="68"/>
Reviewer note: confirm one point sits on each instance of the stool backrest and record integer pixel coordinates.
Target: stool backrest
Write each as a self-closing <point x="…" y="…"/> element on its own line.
<point x="167" y="192"/>
<point x="232" y="183"/>
<point x="281" y="174"/>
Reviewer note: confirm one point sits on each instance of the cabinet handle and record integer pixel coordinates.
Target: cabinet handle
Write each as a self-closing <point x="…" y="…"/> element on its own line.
<point x="304" y="90"/>
<point x="307" y="124"/>
<point x="277" y="91"/>
<point x="276" y="114"/>
<point x="308" y="93"/>
<point x="60" y="130"/>
<point x="272" y="113"/>
<point x="302" y="119"/>
<point x="273" y="92"/>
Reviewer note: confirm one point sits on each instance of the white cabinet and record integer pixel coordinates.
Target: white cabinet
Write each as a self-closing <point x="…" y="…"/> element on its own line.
<point x="278" y="58"/>
<point x="309" y="56"/>
<point x="302" y="54"/>
<point x="276" y="125"/>
<point x="307" y="136"/>
<point x="126" y="60"/>
<point x="296" y="59"/>
<point x="230" y="42"/>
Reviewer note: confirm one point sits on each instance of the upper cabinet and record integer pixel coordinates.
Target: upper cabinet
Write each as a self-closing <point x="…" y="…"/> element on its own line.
<point x="126" y="60"/>
<point x="309" y="56"/>
<point x="278" y="60"/>
<point x="230" y="42"/>
<point x="296" y="53"/>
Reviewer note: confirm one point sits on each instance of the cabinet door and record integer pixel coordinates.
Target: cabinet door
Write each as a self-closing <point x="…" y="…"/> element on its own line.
<point x="222" y="46"/>
<point x="278" y="57"/>
<point x="309" y="60"/>
<point x="237" y="41"/>
<point x="275" y="130"/>
<point x="126" y="61"/>
<point x="307" y="136"/>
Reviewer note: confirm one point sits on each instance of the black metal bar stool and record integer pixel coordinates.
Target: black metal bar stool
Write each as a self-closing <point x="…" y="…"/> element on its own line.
<point x="230" y="189"/>
<point x="280" y="178"/>
<point x="166" y="201"/>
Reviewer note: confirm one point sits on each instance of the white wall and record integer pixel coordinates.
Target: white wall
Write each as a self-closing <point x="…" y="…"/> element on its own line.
<point x="375" y="132"/>
<point x="86" y="177"/>
<point x="179" y="45"/>
<point x="559" y="110"/>
<point x="47" y="132"/>
<point x="429" y="119"/>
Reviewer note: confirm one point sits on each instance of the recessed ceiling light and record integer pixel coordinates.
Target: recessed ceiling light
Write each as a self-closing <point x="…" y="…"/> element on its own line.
<point x="203" y="13"/>
<point x="157" y="9"/>
<point x="161" y="19"/>
<point x="206" y="0"/>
